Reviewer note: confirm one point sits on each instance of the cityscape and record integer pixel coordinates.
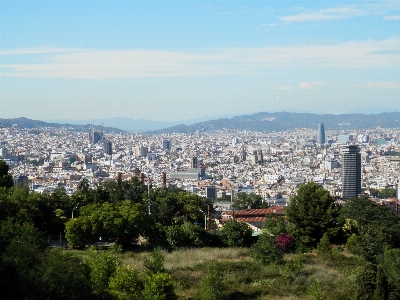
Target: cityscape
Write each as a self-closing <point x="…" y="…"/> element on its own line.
<point x="199" y="150"/>
<point x="212" y="164"/>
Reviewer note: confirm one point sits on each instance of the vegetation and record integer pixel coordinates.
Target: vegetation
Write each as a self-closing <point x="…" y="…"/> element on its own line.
<point x="313" y="213"/>
<point x="300" y="256"/>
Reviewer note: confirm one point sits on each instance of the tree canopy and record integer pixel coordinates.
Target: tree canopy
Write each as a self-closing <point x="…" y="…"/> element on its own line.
<point x="312" y="212"/>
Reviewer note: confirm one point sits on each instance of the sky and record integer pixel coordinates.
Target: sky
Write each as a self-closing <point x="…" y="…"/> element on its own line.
<point x="179" y="60"/>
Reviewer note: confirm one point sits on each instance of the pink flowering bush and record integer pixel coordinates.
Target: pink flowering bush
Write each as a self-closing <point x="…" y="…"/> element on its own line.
<point x="284" y="242"/>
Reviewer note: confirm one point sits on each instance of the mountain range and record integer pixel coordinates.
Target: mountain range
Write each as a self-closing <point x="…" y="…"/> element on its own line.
<point x="280" y="121"/>
<point x="262" y="122"/>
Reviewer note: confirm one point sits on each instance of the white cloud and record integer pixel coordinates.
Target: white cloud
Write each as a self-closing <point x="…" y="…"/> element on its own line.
<point x="382" y="85"/>
<point x="309" y="85"/>
<point x="278" y="98"/>
<point x="391" y="18"/>
<point x="133" y="63"/>
<point x="325" y="15"/>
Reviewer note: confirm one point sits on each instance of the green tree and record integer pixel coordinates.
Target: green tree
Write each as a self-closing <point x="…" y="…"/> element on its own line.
<point x="236" y="234"/>
<point x="387" y="193"/>
<point x="5" y="178"/>
<point x="312" y="212"/>
<point x="376" y="226"/>
<point x="64" y="275"/>
<point x="275" y="224"/>
<point x="78" y="232"/>
<point x="245" y="201"/>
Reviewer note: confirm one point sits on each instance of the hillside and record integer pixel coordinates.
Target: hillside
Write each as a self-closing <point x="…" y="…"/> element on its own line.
<point x="29" y="123"/>
<point x="280" y="121"/>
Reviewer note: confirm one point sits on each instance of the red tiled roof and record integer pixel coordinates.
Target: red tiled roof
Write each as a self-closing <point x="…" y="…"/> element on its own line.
<point x="257" y="212"/>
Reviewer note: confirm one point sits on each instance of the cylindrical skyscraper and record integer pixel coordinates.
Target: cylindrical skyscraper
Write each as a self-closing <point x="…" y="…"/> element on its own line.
<point x="351" y="171"/>
<point x="321" y="134"/>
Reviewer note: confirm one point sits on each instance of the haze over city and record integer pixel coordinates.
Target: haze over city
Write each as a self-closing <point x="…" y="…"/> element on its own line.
<point x="179" y="60"/>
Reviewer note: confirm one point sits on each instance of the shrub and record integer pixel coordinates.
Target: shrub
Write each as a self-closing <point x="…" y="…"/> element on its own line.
<point x="293" y="266"/>
<point x="366" y="282"/>
<point x="64" y="276"/>
<point x="266" y="250"/>
<point x="236" y="234"/>
<point x="125" y="284"/>
<point x="353" y="244"/>
<point x="159" y="287"/>
<point x="155" y="263"/>
<point x="324" y="247"/>
<point x="285" y="242"/>
<point x="103" y="266"/>
<point x="381" y="285"/>
<point x="211" y="284"/>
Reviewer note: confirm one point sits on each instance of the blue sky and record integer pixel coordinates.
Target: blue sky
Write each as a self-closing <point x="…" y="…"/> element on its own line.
<point x="178" y="60"/>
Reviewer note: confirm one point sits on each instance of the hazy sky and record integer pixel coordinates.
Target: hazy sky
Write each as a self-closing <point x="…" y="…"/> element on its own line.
<point x="168" y="60"/>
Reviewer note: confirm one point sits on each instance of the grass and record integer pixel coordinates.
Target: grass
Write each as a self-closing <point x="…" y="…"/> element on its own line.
<point x="330" y="276"/>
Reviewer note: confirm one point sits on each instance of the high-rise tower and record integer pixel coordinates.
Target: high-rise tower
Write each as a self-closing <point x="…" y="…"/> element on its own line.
<point x="321" y="134"/>
<point x="351" y="171"/>
<point x="166" y="145"/>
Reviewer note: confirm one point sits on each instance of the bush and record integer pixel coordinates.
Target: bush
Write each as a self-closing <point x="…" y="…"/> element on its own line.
<point x="391" y="265"/>
<point x="64" y="276"/>
<point x="353" y="244"/>
<point x="103" y="266"/>
<point x="211" y="284"/>
<point x="381" y="285"/>
<point x="324" y="247"/>
<point x="293" y="266"/>
<point x="266" y="250"/>
<point x="236" y="234"/>
<point x="155" y="263"/>
<point x="285" y="242"/>
<point x="125" y="284"/>
<point x="159" y="287"/>
<point x="366" y="282"/>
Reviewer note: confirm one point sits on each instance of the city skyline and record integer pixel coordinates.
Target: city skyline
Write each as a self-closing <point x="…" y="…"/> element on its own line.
<point x="176" y="60"/>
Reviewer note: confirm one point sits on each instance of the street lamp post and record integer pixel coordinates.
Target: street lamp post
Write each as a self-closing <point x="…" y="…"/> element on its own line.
<point x="205" y="219"/>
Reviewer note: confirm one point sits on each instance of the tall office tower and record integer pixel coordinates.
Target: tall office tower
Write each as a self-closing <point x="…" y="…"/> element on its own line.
<point x="141" y="151"/>
<point x="194" y="162"/>
<point x="166" y="145"/>
<point x="321" y="134"/>
<point x="351" y="171"/>
<point x="243" y="155"/>
<point x="107" y="147"/>
<point x="254" y="158"/>
<point x="260" y="155"/>
<point x="95" y="136"/>
<point x="211" y="192"/>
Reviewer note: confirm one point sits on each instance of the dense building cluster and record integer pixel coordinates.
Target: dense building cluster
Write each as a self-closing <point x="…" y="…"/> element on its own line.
<point x="213" y="164"/>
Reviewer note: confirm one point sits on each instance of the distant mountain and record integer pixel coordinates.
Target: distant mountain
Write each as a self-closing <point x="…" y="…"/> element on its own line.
<point x="137" y="125"/>
<point x="280" y="121"/>
<point x="28" y="123"/>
